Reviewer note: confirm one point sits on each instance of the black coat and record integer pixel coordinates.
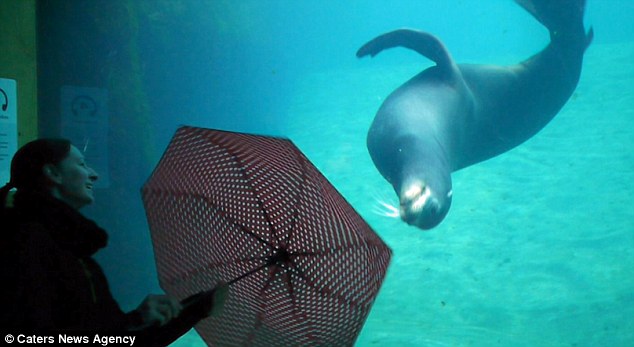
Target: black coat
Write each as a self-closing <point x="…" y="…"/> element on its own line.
<point x="51" y="282"/>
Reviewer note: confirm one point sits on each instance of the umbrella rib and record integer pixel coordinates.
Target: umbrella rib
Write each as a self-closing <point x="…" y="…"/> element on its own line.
<point x="298" y="156"/>
<point x="262" y="306"/>
<point x="247" y="231"/>
<point x="291" y="291"/>
<point x="321" y="291"/>
<point x="237" y="279"/>
<point x="251" y="186"/>
<point x="331" y="250"/>
<point x="300" y="273"/>
<point x="220" y="213"/>
<point x="194" y="272"/>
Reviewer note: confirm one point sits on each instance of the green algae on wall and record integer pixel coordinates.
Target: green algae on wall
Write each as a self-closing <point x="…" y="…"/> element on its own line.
<point x="18" y="61"/>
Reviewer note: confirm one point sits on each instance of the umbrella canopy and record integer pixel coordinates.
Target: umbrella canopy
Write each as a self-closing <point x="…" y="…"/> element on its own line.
<point x="252" y="211"/>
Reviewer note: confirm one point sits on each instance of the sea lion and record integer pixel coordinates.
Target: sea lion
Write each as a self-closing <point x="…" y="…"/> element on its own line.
<point x="453" y="115"/>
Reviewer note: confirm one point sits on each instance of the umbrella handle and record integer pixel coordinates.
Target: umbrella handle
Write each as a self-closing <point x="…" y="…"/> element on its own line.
<point x="205" y="299"/>
<point x="239" y="278"/>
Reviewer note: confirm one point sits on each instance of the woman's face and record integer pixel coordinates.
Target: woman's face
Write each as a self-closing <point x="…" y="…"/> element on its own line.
<point x="73" y="180"/>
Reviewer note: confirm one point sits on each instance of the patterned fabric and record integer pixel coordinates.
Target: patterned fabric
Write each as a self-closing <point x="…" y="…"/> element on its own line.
<point x="253" y="211"/>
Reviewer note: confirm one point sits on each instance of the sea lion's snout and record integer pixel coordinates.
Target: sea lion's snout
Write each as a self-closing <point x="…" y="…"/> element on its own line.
<point x="420" y="207"/>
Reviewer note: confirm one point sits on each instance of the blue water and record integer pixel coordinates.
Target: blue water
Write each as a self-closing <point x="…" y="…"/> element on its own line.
<point x="538" y="247"/>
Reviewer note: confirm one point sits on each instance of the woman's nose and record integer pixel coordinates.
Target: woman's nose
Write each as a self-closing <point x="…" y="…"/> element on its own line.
<point x="93" y="175"/>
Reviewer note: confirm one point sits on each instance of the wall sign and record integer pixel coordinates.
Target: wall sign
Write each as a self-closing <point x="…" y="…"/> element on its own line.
<point x="85" y="123"/>
<point x="8" y="127"/>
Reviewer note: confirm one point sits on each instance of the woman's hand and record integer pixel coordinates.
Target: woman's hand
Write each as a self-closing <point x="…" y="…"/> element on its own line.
<point x="221" y="292"/>
<point x="157" y="310"/>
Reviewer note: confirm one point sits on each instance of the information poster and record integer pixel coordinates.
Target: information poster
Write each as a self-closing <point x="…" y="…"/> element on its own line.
<point x="8" y="127"/>
<point x="85" y="123"/>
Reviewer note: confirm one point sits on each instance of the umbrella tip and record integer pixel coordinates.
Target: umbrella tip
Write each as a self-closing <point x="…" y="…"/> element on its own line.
<point x="280" y="256"/>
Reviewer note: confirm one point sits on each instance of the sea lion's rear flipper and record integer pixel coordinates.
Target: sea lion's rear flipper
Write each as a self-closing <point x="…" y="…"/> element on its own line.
<point x="563" y="18"/>
<point x="423" y="43"/>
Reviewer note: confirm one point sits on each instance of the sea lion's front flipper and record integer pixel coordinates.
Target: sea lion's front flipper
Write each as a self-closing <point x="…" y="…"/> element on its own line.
<point x="424" y="43"/>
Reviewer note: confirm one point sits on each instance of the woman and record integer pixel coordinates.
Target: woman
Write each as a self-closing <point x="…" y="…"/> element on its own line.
<point x="51" y="281"/>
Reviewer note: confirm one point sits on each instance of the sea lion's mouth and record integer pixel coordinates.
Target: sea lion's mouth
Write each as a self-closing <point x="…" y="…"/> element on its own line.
<point x="419" y="207"/>
<point x="415" y="197"/>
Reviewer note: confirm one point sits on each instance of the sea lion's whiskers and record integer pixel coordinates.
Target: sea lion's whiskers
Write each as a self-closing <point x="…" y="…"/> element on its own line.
<point x="384" y="209"/>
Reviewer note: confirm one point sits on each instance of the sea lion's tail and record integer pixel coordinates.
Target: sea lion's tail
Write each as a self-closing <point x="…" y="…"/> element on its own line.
<point x="563" y="18"/>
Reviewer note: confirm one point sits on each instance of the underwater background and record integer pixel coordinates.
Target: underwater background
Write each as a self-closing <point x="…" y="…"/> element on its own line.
<point x="538" y="247"/>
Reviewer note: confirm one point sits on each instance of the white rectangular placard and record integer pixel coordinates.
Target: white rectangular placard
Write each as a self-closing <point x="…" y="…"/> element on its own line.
<point x="85" y="123"/>
<point x="8" y="126"/>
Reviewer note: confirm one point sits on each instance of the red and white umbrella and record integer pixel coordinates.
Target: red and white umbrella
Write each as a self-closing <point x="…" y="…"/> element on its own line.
<point x="304" y="268"/>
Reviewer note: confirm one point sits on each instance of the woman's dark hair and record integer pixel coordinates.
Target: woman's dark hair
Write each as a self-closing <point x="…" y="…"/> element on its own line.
<point x="27" y="165"/>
